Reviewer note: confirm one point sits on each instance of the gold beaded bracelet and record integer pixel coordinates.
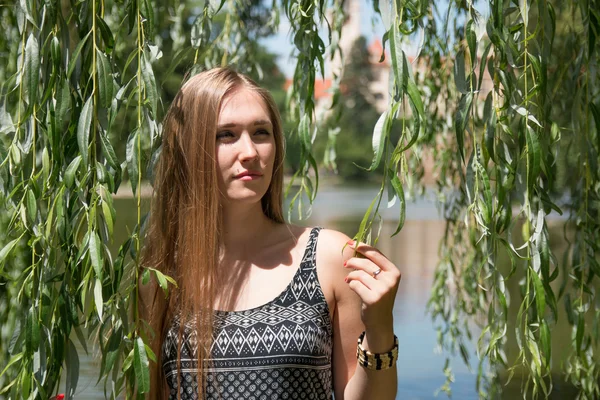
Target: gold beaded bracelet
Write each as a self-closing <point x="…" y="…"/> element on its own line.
<point x="376" y="361"/>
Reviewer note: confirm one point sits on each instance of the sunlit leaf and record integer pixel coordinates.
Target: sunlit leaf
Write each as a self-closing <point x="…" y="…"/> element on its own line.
<point x="83" y="129"/>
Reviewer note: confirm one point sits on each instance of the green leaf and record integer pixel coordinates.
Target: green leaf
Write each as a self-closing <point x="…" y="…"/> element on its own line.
<point x="7" y="249"/>
<point x="146" y="276"/>
<point x="162" y="281"/>
<point x="69" y="176"/>
<point x="546" y="342"/>
<point x="108" y="217"/>
<point x="75" y="55"/>
<point x="95" y="248"/>
<point x="72" y="364"/>
<point x="83" y="129"/>
<point x="32" y="331"/>
<point x="472" y="43"/>
<point x="98" y="300"/>
<point x="540" y="295"/>
<point x="105" y="80"/>
<point x="304" y="131"/>
<point x="31" y="206"/>
<point x="380" y="134"/>
<point x="460" y="121"/>
<point x="533" y="158"/>
<point x="141" y="366"/>
<point x="459" y="72"/>
<point x="132" y="156"/>
<point x="63" y="104"/>
<point x="149" y="84"/>
<point x="109" y="151"/>
<point x="31" y="74"/>
<point x="397" y="185"/>
<point x="214" y="6"/>
<point x="107" y="36"/>
<point x="398" y="56"/>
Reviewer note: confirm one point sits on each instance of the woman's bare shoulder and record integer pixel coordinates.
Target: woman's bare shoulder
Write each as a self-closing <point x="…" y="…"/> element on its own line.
<point x="332" y="246"/>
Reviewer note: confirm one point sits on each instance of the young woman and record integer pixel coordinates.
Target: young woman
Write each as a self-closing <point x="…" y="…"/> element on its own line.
<point x="263" y="309"/>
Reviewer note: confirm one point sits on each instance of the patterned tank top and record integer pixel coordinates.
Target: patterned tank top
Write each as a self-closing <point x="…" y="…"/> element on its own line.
<point x="279" y="350"/>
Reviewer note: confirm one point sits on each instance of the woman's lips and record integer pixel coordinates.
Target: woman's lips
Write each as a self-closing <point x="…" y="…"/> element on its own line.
<point x="248" y="176"/>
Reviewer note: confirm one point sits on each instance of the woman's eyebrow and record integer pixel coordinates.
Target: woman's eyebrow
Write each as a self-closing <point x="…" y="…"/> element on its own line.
<point x="255" y="123"/>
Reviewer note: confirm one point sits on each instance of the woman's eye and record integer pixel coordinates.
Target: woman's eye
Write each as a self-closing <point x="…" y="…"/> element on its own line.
<point x="262" y="132"/>
<point x="225" y="134"/>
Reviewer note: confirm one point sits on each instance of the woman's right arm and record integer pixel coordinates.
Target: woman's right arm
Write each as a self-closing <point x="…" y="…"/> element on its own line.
<point x="151" y="310"/>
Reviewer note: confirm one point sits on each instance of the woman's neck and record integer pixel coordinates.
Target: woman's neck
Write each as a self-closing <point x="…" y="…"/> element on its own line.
<point x="243" y="227"/>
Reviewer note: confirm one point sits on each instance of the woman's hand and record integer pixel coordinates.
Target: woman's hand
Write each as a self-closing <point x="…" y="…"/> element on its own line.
<point x="375" y="280"/>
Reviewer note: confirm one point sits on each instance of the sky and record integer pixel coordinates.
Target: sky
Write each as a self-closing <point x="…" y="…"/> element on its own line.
<point x="281" y="44"/>
<point x="372" y="28"/>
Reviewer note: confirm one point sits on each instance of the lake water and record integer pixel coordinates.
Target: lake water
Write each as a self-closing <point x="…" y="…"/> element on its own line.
<point x="414" y="250"/>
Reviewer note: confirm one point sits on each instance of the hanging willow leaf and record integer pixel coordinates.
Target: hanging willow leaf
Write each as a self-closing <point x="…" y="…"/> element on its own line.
<point x="69" y="177"/>
<point x="105" y="80"/>
<point x="534" y="158"/>
<point x="75" y="56"/>
<point x="31" y="74"/>
<point x="398" y="60"/>
<point x="149" y="83"/>
<point x="399" y="190"/>
<point x="460" y="121"/>
<point x="107" y="36"/>
<point x="380" y="135"/>
<point x="141" y="366"/>
<point x="83" y="129"/>
<point x="132" y="155"/>
<point x="95" y="251"/>
<point x="72" y="364"/>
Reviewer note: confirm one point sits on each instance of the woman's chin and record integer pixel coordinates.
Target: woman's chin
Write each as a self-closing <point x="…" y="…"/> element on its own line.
<point x="244" y="197"/>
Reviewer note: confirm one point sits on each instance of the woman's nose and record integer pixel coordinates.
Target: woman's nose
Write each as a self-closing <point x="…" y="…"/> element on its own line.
<point x="247" y="148"/>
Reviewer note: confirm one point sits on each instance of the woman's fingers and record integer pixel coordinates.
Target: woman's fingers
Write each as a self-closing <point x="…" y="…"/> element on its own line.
<point x="357" y="282"/>
<point x="391" y="275"/>
<point x="373" y="254"/>
<point x="362" y="264"/>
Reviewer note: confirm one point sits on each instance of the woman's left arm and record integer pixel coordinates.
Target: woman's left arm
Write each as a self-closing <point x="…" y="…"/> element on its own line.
<point x="364" y="302"/>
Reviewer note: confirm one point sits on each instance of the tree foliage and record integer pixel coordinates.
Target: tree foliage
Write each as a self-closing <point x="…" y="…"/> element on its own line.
<point x="76" y="76"/>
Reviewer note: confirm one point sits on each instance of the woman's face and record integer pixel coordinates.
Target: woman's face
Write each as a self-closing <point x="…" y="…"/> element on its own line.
<point x="245" y="147"/>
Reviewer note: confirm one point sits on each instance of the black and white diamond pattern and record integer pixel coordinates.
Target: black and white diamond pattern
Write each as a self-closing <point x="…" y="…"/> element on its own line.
<point x="281" y="350"/>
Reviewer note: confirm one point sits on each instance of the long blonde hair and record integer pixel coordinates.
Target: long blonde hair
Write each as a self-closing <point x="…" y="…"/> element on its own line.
<point x="184" y="228"/>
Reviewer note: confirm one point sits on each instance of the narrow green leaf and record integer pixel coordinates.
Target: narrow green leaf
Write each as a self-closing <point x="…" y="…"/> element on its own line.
<point x="141" y="366"/>
<point x="7" y="249"/>
<point x="31" y="207"/>
<point x="69" y="177"/>
<point x="31" y="75"/>
<point x="398" y="56"/>
<point x="459" y="72"/>
<point x="95" y="249"/>
<point x="397" y="185"/>
<point x="45" y="166"/>
<point x="72" y="364"/>
<point x="74" y="57"/>
<point x="540" y="295"/>
<point x="545" y="339"/>
<point x="105" y="80"/>
<point x="460" y="121"/>
<point x="83" y="129"/>
<point x="472" y="43"/>
<point x="63" y="104"/>
<point x="108" y="151"/>
<point x="106" y="211"/>
<point x="107" y="36"/>
<point x="32" y="331"/>
<point x="162" y="281"/>
<point x="98" y="300"/>
<point x="149" y="84"/>
<point x="533" y="157"/>
<point x="132" y="157"/>
<point x="380" y="135"/>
